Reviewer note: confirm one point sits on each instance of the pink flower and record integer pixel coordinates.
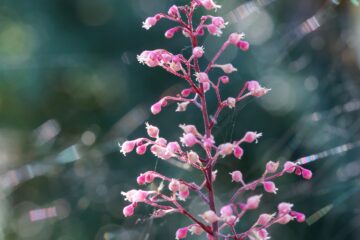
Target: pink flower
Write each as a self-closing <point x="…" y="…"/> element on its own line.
<point x="181" y="233"/>
<point x="196" y="229"/>
<point x="214" y="30"/>
<point x="235" y="38"/>
<point x="285" y="219"/>
<point x="198" y="52"/>
<point x="152" y="131"/>
<point x="141" y="179"/>
<point x="128" y="211"/>
<point x="209" y="4"/>
<point x="252" y="137"/>
<point x="271" y="167"/>
<point x="243" y="45"/>
<point x="264" y="219"/>
<point x="237" y="176"/>
<point x="231" y="102"/>
<point x="141" y="149"/>
<point x="181" y="107"/>
<point x="193" y="157"/>
<point x="226" y="149"/>
<point x="173" y="147"/>
<point x="186" y="92"/>
<point x="174" y="185"/>
<point x="127" y="146"/>
<point x="226" y="211"/>
<point x="224" y="79"/>
<point x="156" y="108"/>
<point x="307" y="174"/>
<point x="189" y="129"/>
<point x="253" y="202"/>
<point x="174" y="11"/>
<point x="238" y="152"/>
<point x="210" y="217"/>
<point x="270" y="187"/>
<point x="227" y="68"/>
<point x="184" y="194"/>
<point x="300" y="217"/>
<point x="188" y="139"/>
<point x="285" y="207"/>
<point x="256" y="90"/>
<point x="289" y="167"/>
<point x="171" y="32"/>
<point x="149" y="22"/>
<point x="202" y="77"/>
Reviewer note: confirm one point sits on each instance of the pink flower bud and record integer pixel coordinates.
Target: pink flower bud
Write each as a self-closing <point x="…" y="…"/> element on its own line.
<point x="181" y="233"/>
<point x="253" y="202"/>
<point x="227" y="68"/>
<point x="256" y="90"/>
<point x="152" y="131"/>
<point x="196" y="229"/>
<point x="156" y="108"/>
<point x="171" y="32"/>
<point x="128" y="211"/>
<point x="202" y="77"/>
<point x="214" y="30"/>
<point x="186" y="92"/>
<point x="173" y="147"/>
<point x="236" y="176"/>
<point x="231" y="220"/>
<point x="198" y="52"/>
<point x="270" y="187"/>
<point x="264" y="219"/>
<point x="141" y="179"/>
<point x="238" y="152"/>
<point x="226" y="149"/>
<point x="141" y="149"/>
<point x="263" y="234"/>
<point x="193" y="157"/>
<point x="284" y="207"/>
<point x="149" y="22"/>
<point x="218" y="21"/>
<point x="210" y="217"/>
<point x="183" y="195"/>
<point x="127" y="146"/>
<point x="149" y="177"/>
<point x="189" y="129"/>
<point x="298" y="171"/>
<point x="251" y="137"/>
<point x="307" y="174"/>
<point x="231" y="102"/>
<point x="206" y="86"/>
<point x="174" y="185"/>
<point x="140" y="196"/>
<point x="174" y="11"/>
<point x="224" y="79"/>
<point x="285" y="219"/>
<point x="209" y="4"/>
<point x="300" y="217"/>
<point x="271" y="167"/>
<point x="161" y="141"/>
<point x="253" y="85"/>
<point x="188" y="139"/>
<point x="243" y="45"/>
<point x="226" y="211"/>
<point x="289" y="167"/>
<point x="235" y="38"/>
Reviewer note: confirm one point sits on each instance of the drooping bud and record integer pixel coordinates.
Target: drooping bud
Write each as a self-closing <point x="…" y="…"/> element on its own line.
<point x="209" y="4"/>
<point x="174" y="11"/>
<point x="128" y="211"/>
<point x="289" y="167"/>
<point x="152" y="131"/>
<point x="243" y="45"/>
<point x="224" y="79"/>
<point x="188" y="139"/>
<point x="202" y="77"/>
<point x="156" y="108"/>
<point x="306" y="173"/>
<point x="227" y="68"/>
<point x="127" y="146"/>
<point x="174" y="185"/>
<point x="235" y="38"/>
<point x="226" y="211"/>
<point x="284" y="207"/>
<point x="196" y="229"/>
<point x="264" y="219"/>
<point x="149" y="22"/>
<point x="226" y="149"/>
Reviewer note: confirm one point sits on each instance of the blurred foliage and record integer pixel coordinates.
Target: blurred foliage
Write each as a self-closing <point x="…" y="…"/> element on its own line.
<point x="71" y="89"/>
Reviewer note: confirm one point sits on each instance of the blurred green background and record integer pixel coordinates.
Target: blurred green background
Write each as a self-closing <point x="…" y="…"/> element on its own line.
<point x="71" y="90"/>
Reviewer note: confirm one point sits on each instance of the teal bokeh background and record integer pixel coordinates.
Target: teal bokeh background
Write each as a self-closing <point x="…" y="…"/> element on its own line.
<point x="71" y="89"/>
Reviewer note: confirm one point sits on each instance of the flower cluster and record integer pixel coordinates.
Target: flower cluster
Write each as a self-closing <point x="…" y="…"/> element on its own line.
<point x="218" y="222"/>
